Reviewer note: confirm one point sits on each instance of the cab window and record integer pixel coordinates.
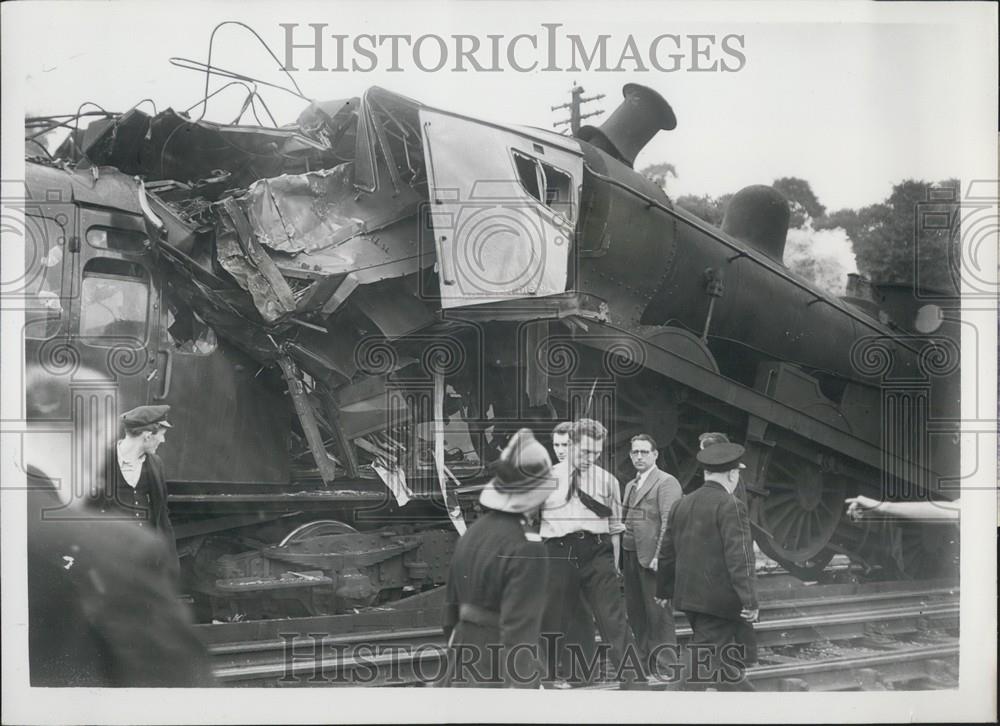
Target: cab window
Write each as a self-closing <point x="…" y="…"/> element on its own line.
<point x="111" y="238"/>
<point x="44" y="248"/>
<point x="551" y="186"/>
<point x="114" y="302"/>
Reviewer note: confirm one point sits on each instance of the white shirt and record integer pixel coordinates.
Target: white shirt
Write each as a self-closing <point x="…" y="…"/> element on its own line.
<point x="561" y="517"/>
<point x="131" y="470"/>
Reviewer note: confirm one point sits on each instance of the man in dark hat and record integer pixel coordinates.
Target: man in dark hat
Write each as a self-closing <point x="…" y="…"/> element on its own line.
<point x="497" y="584"/>
<point x="137" y="487"/>
<point x="710" y="437"/>
<point x="707" y="569"/>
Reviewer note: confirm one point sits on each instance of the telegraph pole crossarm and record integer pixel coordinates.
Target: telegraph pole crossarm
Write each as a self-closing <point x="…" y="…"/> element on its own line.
<point x="575" y="116"/>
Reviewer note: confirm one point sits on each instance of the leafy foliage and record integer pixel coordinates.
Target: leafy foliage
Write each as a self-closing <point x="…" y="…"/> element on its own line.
<point x="909" y="238"/>
<point x="710" y="209"/>
<point x="803" y="202"/>
<point x="658" y="173"/>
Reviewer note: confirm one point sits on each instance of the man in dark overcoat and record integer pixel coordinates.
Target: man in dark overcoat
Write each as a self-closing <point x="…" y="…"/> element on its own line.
<point x="497" y="586"/>
<point x="707" y="569"/>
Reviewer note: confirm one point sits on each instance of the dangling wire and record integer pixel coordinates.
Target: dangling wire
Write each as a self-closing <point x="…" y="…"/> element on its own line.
<point x="210" y="69"/>
<point x="216" y="92"/>
<point x="76" y="122"/>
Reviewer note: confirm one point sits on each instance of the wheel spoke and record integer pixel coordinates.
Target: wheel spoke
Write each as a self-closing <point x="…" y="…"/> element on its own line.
<point x="797" y="537"/>
<point x="778" y="526"/>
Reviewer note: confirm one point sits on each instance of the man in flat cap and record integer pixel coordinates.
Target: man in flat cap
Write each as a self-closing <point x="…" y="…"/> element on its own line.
<point x="498" y="580"/>
<point x="707" y="570"/>
<point x="136" y="484"/>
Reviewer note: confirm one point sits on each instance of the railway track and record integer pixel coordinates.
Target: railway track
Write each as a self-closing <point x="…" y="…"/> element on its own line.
<point x="822" y="637"/>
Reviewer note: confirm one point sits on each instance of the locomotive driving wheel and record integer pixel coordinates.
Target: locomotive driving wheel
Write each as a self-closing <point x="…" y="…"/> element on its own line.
<point x="799" y="515"/>
<point x="316" y="528"/>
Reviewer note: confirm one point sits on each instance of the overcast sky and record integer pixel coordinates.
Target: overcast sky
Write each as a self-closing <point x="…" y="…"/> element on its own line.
<point x="852" y="98"/>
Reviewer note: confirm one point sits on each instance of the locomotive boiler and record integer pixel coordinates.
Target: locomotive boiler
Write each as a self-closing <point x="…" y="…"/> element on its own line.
<point x="350" y="315"/>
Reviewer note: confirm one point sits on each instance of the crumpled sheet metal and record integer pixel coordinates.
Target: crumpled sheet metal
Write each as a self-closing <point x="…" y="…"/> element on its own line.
<point x="325" y="225"/>
<point x="172" y="146"/>
<point x="244" y="259"/>
<point x="302" y="212"/>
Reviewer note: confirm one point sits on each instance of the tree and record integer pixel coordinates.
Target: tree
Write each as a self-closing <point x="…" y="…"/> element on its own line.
<point x="801" y="199"/>
<point x="658" y="173"/>
<point x="710" y="209"/>
<point x="909" y="238"/>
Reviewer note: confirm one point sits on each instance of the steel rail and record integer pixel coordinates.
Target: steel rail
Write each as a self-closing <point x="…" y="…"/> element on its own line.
<point x="792" y="622"/>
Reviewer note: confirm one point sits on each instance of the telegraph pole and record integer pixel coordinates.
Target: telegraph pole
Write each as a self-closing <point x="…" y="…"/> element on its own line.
<point x="575" y="116"/>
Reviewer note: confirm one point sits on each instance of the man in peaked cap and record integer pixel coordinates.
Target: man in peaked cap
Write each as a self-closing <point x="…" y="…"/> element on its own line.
<point x="707" y="570"/>
<point x="497" y="584"/>
<point x="136" y="486"/>
<point x="101" y="609"/>
<point x="710" y="439"/>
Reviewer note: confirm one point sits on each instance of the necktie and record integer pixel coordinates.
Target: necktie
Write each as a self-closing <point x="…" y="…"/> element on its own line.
<point x="588" y="501"/>
<point x="631" y="496"/>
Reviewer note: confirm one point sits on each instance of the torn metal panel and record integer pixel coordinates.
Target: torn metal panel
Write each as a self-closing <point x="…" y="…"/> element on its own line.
<point x="305" y="212"/>
<point x="333" y="123"/>
<point x="395" y="481"/>
<point x="116" y="141"/>
<point x="108" y="188"/>
<point x="323" y="223"/>
<point x="179" y="231"/>
<point x="395" y="310"/>
<point x="241" y="256"/>
<point x="172" y="146"/>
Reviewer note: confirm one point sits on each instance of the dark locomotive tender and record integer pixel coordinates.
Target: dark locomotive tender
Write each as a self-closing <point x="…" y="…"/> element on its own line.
<point x="386" y="291"/>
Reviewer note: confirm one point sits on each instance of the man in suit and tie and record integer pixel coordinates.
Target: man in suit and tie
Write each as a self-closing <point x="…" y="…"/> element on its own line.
<point x="648" y="500"/>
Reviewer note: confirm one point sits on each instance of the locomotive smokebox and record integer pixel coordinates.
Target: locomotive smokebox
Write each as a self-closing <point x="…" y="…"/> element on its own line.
<point x="758" y="215"/>
<point x="632" y="125"/>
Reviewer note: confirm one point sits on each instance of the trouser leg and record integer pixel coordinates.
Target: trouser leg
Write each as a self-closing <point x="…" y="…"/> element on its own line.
<point x="579" y="646"/>
<point x="717" y="657"/>
<point x="562" y="581"/>
<point x="661" y="637"/>
<point x="602" y="586"/>
<point x="635" y="606"/>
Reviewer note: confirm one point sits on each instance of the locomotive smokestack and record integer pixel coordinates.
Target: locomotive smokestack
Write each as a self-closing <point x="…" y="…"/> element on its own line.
<point x="758" y="215"/>
<point x="632" y="125"/>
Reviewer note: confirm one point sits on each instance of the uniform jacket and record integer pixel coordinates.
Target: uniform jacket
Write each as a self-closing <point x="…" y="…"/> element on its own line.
<point x="159" y="516"/>
<point x="645" y="512"/>
<point x="707" y="564"/>
<point x="101" y="612"/>
<point x="497" y="568"/>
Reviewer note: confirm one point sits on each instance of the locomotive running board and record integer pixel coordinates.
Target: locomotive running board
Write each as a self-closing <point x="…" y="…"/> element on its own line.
<point x="603" y="336"/>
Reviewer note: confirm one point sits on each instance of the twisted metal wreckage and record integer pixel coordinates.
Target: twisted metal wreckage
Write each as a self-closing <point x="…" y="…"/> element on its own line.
<point x="421" y="284"/>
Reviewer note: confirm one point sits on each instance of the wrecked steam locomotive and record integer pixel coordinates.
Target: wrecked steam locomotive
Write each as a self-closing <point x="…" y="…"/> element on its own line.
<point x="350" y="314"/>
